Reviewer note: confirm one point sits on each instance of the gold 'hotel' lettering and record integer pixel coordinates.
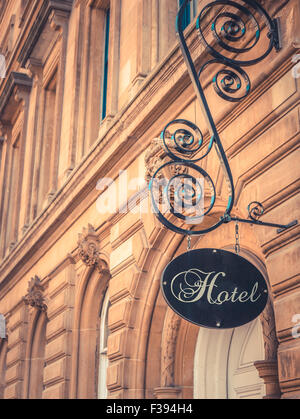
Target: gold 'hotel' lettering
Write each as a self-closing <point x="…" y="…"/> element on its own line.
<point x="192" y="284"/>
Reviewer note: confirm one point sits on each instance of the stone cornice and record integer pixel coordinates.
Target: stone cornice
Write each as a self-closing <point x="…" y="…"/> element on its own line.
<point x="14" y="80"/>
<point x="36" y="29"/>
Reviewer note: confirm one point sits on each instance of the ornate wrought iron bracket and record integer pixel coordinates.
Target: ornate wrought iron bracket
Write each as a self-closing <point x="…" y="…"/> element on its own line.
<point x="280" y="227"/>
<point x="256" y="210"/>
<point x="180" y="187"/>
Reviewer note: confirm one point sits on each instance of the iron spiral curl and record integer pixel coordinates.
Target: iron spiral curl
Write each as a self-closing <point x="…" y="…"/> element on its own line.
<point x="231" y="82"/>
<point x="255" y="210"/>
<point x="237" y="30"/>
<point x="182" y="141"/>
<point x="182" y="192"/>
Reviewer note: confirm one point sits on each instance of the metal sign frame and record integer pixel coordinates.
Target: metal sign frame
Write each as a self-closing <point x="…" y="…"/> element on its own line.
<point x="214" y="288"/>
<point x="183" y="146"/>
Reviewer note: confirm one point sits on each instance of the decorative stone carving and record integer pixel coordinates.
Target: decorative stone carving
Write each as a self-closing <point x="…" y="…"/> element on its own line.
<point x="268" y="368"/>
<point x="268" y="371"/>
<point x="34" y="296"/>
<point x="101" y="4"/>
<point x="89" y="249"/>
<point x="16" y="86"/>
<point x="168" y="350"/>
<point x="40" y="22"/>
<point x="269" y="332"/>
<point x="155" y="157"/>
<point x="168" y="390"/>
<point x="58" y="19"/>
<point x="168" y="393"/>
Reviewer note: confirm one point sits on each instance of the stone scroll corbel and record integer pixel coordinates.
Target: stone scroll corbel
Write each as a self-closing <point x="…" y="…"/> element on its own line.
<point x="35" y="294"/>
<point x="89" y="250"/>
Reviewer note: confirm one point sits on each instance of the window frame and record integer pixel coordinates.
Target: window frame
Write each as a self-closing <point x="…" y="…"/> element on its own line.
<point x="189" y="13"/>
<point x="103" y="359"/>
<point x="105" y="66"/>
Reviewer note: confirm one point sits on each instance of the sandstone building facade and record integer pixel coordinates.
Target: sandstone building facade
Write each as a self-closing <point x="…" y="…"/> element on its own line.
<point x="89" y="86"/>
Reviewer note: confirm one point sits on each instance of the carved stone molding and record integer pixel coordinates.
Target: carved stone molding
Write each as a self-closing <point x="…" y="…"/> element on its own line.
<point x="35" y="70"/>
<point x="169" y="340"/>
<point x="47" y="7"/>
<point x="268" y="371"/>
<point x="4" y="128"/>
<point x="269" y="332"/>
<point x="34" y="296"/>
<point x="89" y="249"/>
<point x="167" y="392"/>
<point x="156" y="156"/>
<point x="97" y="4"/>
<point x="16" y="82"/>
<point x="58" y="19"/>
<point x="268" y="368"/>
<point x="100" y="4"/>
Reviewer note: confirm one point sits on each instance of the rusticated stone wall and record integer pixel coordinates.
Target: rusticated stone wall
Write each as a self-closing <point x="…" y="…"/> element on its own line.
<point x="61" y="251"/>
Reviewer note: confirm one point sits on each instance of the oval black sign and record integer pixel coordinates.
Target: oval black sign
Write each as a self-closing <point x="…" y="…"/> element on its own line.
<point x="214" y="288"/>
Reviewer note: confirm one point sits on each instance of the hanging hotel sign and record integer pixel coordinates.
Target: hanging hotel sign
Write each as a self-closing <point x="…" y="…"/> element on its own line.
<point x="214" y="288"/>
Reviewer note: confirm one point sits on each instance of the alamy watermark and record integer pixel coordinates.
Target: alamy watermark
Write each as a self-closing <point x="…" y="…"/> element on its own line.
<point x="296" y="328"/>
<point x="296" y="68"/>
<point x="181" y="195"/>
<point x="2" y="67"/>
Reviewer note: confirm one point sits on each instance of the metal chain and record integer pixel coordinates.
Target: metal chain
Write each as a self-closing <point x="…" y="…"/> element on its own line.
<point x="188" y="243"/>
<point x="237" y="239"/>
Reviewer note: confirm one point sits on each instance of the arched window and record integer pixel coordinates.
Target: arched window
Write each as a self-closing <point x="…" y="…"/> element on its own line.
<point x="103" y="360"/>
<point x="87" y="322"/>
<point x="37" y="357"/>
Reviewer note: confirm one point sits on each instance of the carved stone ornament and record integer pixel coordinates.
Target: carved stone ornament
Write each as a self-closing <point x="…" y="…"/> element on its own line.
<point x="156" y="156"/>
<point x="89" y="249"/>
<point x="268" y="368"/>
<point x="34" y="296"/>
<point x="169" y="341"/>
<point x="269" y="332"/>
<point x="168" y="390"/>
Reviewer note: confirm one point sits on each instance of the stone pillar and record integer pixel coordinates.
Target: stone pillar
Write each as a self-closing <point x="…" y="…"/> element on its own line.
<point x="32" y="146"/>
<point x="168" y="390"/>
<point x="268" y="371"/>
<point x="59" y="22"/>
<point x="22" y="97"/>
<point x="113" y="59"/>
<point x="268" y="368"/>
<point x="143" y="63"/>
<point x="14" y="99"/>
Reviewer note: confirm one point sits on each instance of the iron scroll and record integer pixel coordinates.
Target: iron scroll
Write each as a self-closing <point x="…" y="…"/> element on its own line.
<point x="235" y="30"/>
